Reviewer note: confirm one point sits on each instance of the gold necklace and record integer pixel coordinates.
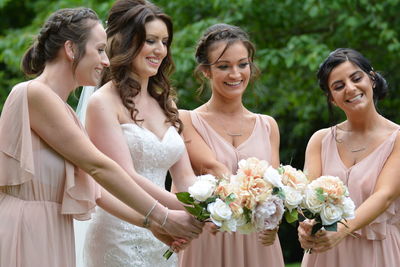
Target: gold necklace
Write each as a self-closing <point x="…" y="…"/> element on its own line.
<point x="223" y="125"/>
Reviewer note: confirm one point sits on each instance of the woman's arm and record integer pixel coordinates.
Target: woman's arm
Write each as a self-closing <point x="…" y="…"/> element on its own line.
<point x="105" y="132"/>
<point x="51" y="120"/>
<point x="275" y="142"/>
<point x="313" y="170"/>
<point x="386" y="191"/>
<point x="202" y="158"/>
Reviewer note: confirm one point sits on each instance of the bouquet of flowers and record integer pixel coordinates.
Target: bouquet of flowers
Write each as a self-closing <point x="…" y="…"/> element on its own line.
<point x="249" y="201"/>
<point x="255" y="195"/>
<point x="327" y="201"/>
<point x="294" y="184"/>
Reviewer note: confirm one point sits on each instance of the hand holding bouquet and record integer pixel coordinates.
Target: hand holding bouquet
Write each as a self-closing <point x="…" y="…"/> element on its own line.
<point x="327" y="201"/>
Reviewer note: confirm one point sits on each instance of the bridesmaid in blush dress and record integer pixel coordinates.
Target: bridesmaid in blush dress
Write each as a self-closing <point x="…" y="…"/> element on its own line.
<point x="219" y="134"/>
<point x="363" y="151"/>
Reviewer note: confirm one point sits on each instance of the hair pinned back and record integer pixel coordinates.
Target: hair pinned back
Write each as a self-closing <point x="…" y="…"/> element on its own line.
<point x="221" y="33"/>
<point x="63" y="25"/>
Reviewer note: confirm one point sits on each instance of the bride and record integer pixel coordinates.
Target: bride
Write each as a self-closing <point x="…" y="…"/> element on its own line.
<point x="133" y="120"/>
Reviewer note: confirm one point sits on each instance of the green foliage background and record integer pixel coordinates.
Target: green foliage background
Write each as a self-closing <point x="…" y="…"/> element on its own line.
<point x="292" y="37"/>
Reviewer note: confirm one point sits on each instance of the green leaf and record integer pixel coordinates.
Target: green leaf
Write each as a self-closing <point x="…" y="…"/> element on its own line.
<point x="210" y="200"/>
<point x="320" y="194"/>
<point x="196" y="212"/>
<point x="230" y="198"/>
<point x="291" y="216"/>
<point x="185" y="197"/>
<point x="279" y="192"/>
<point x="247" y="214"/>
<point x="332" y="227"/>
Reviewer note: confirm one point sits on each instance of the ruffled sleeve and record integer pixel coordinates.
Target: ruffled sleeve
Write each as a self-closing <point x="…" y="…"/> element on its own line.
<point x="16" y="154"/>
<point x="377" y="230"/>
<point x="17" y="163"/>
<point x="81" y="190"/>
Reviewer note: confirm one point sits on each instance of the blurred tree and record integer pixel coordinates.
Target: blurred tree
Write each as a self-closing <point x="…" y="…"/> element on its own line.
<point x="292" y="38"/>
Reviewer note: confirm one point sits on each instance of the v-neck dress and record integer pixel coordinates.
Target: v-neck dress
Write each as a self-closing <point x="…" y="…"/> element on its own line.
<point x="40" y="192"/>
<point x="378" y="244"/>
<point x="233" y="249"/>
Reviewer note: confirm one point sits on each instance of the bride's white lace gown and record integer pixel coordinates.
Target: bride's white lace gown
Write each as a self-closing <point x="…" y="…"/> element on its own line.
<point x="112" y="242"/>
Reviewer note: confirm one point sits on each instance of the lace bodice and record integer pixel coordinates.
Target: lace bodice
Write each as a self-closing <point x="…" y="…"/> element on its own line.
<point x="113" y="242"/>
<point x="151" y="156"/>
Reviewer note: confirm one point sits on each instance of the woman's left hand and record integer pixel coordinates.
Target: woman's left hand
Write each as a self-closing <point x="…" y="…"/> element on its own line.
<point x="325" y="240"/>
<point x="176" y="244"/>
<point x="267" y="237"/>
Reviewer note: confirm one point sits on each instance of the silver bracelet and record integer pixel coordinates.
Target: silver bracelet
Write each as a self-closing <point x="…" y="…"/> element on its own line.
<point x="165" y="219"/>
<point x="146" y="221"/>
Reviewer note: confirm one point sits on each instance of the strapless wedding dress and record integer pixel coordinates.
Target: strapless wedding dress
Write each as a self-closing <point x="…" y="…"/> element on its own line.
<point x="113" y="242"/>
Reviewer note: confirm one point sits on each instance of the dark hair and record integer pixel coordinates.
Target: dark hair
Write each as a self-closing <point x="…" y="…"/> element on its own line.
<point x="63" y="25"/>
<point x="126" y="35"/>
<point x="221" y="32"/>
<point x="342" y="55"/>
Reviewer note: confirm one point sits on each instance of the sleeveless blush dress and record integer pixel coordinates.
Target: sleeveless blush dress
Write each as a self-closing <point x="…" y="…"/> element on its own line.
<point x="378" y="244"/>
<point x="233" y="249"/>
<point x="40" y="192"/>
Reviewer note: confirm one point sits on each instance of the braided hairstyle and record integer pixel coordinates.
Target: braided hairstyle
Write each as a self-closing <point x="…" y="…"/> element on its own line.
<point x="221" y="32"/>
<point x="340" y="56"/>
<point x="63" y="25"/>
<point x="126" y="35"/>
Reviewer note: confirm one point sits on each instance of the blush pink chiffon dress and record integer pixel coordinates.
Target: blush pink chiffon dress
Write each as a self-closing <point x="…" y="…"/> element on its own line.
<point x="377" y="244"/>
<point x="40" y="192"/>
<point x="233" y="249"/>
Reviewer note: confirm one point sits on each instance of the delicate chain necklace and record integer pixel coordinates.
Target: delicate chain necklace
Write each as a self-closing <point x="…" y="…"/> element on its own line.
<point x="223" y="125"/>
<point x="353" y="150"/>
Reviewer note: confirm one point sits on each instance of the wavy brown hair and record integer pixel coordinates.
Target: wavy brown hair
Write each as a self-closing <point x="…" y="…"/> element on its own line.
<point x="126" y="35"/>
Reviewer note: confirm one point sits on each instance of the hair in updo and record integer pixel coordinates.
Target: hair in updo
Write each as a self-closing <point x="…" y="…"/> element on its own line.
<point x="221" y="33"/>
<point x="126" y="36"/>
<point x="63" y="25"/>
<point x="342" y="55"/>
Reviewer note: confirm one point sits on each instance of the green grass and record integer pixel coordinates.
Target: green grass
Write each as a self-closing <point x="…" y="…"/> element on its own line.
<point x="293" y="265"/>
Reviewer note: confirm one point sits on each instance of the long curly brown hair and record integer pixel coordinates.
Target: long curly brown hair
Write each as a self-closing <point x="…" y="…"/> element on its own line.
<point x="126" y="35"/>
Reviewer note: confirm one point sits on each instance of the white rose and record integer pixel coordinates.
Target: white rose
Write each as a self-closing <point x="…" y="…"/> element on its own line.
<point x="330" y="214"/>
<point x="293" y="197"/>
<point x="209" y="178"/>
<point x="348" y="208"/>
<point x="203" y="188"/>
<point x="272" y="176"/>
<point x="311" y="201"/>
<point x="219" y="212"/>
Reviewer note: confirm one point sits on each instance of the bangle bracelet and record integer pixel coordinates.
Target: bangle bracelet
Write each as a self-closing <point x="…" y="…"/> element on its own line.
<point x="165" y="219"/>
<point x="146" y="221"/>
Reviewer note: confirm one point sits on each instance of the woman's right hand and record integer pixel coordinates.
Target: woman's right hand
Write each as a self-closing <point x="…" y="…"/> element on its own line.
<point x="183" y="225"/>
<point x="304" y="233"/>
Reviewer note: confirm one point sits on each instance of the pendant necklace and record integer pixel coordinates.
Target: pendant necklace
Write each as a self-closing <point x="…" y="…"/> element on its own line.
<point x="352" y="150"/>
<point x="225" y="129"/>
